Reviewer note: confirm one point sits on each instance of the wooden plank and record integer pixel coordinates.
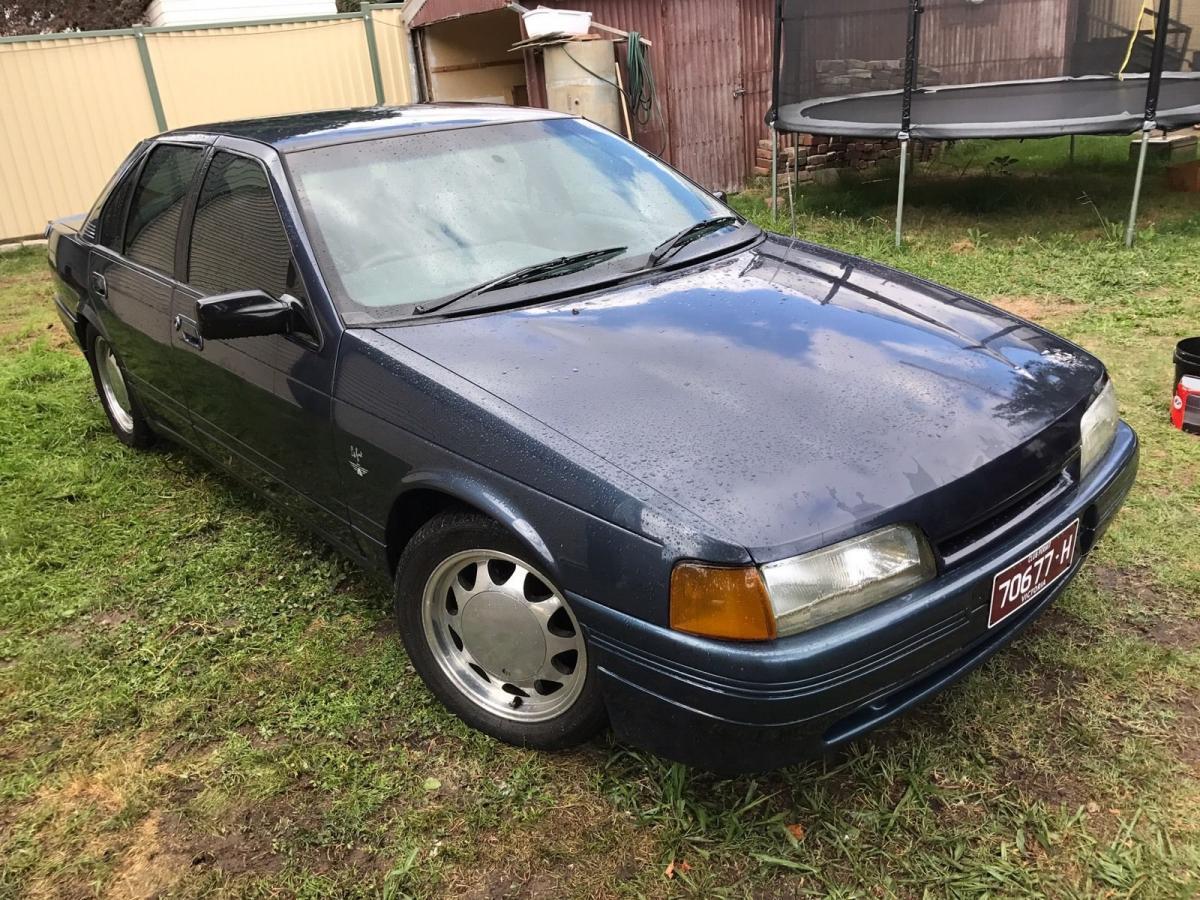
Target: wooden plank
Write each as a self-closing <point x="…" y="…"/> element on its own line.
<point x="468" y="67"/>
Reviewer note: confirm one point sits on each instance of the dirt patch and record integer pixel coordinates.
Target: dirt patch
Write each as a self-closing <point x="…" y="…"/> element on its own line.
<point x="1035" y="308"/>
<point x="1140" y="594"/>
<point x="1186" y="732"/>
<point x="166" y="850"/>
<point x="20" y="335"/>
<point x="112" y="618"/>
<point x="71" y="637"/>
<point x="384" y="633"/>
<point x="504" y="887"/>
<point x="106" y="788"/>
<point x="1171" y="635"/>
<point x="150" y="867"/>
<point x="1135" y="587"/>
<point x="386" y="629"/>
<point x="1058" y="788"/>
<point x="1136" y="584"/>
<point x="581" y="840"/>
<point x="244" y="849"/>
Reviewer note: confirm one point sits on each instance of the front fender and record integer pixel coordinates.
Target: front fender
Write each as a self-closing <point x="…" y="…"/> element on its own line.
<point x="485" y="497"/>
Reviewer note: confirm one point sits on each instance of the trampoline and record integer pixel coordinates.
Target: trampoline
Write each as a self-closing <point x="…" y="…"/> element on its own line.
<point x="1045" y="107"/>
<point x="935" y="70"/>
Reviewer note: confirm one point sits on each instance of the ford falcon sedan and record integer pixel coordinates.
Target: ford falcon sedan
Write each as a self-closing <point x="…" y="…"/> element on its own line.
<point x="626" y="458"/>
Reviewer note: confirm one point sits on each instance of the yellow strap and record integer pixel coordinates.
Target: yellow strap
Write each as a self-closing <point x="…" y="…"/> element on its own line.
<point x="1143" y="12"/>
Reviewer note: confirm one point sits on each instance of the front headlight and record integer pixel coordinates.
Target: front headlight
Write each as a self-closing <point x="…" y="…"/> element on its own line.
<point x="827" y="584"/>
<point x="1098" y="428"/>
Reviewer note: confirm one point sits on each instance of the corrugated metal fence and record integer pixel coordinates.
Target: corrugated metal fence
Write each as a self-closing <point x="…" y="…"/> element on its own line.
<point x="712" y="64"/>
<point x="73" y="105"/>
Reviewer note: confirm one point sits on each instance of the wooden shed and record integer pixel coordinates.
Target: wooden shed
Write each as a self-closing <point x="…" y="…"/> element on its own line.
<point x="711" y="61"/>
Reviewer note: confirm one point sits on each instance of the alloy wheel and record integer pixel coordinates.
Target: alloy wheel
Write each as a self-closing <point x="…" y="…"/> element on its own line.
<point x="112" y="384"/>
<point x="503" y="635"/>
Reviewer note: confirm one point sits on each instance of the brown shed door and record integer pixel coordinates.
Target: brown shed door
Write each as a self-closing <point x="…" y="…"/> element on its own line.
<point x="757" y="20"/>
<point x="705" y="97"/>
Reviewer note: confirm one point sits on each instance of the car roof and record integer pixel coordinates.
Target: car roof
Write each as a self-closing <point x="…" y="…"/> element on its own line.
<point x="304" y="131"/>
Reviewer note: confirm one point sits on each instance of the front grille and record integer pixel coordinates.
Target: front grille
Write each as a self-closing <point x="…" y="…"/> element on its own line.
<point x="1017" y="511"/>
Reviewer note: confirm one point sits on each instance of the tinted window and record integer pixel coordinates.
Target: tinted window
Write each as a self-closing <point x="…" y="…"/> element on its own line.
<point x="157" y="204"/>
<point x="120" y="184"/>
<point x="112" y="216"/>
<point x="238" y="241"/>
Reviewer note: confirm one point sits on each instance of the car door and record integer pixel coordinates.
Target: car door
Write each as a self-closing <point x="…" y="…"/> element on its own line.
<point x="259" y="405"/>
<point x="131" y="275"/>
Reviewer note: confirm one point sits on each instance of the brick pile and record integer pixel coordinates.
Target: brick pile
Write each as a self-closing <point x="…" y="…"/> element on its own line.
<point x="855" y="76"/>
<point x="817" y="157"/>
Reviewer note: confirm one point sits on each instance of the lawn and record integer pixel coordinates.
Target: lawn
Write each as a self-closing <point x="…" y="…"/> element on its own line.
<point x="196" y="698"/>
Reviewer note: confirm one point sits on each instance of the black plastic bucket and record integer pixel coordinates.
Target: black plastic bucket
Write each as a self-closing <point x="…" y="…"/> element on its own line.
<point x="1187" y="360"/>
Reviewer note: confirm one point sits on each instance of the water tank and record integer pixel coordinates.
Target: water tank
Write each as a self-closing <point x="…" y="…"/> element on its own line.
<point x="581" y="80"/>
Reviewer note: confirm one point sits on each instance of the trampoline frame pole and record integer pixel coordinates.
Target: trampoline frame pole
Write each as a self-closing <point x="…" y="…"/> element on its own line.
<point x="1154" y="82"/>
<point x="773" y="115"/>
<point x="1131" y="228"/>
<point x="774" y="174"/>
<point x="900" y="190"/>
<point x="792" y="195"/>
<point x="911" y="52"/>
<point x="1157" y="60"/>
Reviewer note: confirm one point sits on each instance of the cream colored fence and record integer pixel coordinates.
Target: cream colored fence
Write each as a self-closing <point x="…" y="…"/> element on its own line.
<point x="72" y="106"/>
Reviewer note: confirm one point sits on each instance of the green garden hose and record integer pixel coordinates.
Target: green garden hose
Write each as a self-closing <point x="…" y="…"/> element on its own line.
<point x="640" y="78"/>
<point x="639" y="89"/>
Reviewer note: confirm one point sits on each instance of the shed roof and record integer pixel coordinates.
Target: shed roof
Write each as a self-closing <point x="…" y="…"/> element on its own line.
<point x="420" y="13"/>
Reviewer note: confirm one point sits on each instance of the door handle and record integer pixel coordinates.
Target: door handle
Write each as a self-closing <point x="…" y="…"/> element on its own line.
<point x="99" y="285"/>
<point x="189" y="331"/>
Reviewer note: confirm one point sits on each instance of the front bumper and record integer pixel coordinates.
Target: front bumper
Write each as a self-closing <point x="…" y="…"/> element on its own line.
<point x="733" y="707"/>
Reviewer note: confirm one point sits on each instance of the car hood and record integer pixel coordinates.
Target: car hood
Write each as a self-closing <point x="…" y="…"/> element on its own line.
<point x="787" y="394"/>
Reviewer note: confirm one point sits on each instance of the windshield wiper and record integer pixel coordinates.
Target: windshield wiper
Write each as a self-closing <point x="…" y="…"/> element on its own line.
<point x="693" y="232"/>
<point x="563" y="265"/>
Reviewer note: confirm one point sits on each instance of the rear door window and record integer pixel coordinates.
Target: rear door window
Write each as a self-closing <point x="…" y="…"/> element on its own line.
<point x="238" y="241"/>
<point x="110" y="226"/>
<point x="158" y="199"/>
<point x="113" y="200"/>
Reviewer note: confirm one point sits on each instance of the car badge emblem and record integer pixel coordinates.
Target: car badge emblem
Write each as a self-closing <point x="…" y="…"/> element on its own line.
<point x="356" y="461"/>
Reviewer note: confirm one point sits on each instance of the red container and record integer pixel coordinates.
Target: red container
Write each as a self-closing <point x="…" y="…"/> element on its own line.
<point x="1185" y="406"/>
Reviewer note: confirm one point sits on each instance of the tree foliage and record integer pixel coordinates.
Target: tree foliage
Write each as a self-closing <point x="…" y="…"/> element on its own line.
<point x="47" y="16"/>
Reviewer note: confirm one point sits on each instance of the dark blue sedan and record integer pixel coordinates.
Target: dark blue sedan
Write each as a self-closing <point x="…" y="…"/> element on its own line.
<point x="625" y="457"/>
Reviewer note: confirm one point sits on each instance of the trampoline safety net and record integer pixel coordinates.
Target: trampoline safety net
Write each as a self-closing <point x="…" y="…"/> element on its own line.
<point x="985" y="68"/>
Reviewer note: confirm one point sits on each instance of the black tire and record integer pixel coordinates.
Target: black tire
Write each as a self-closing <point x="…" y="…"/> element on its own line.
<point x="436" y="542"/>
<point x="129" y="425"/>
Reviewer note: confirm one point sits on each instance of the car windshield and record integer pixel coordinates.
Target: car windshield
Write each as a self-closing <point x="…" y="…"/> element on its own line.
<point x="401" y="221"/>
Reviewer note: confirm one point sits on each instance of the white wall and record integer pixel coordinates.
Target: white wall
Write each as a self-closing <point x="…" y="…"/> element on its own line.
<point x="199" y="12"/>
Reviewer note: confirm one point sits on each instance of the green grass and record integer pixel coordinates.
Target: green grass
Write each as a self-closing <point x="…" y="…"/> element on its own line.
<point x="196" y="698"/>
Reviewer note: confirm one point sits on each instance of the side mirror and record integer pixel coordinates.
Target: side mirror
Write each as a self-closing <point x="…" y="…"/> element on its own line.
<point x="720" y="195"/>
<point x="242" y="314"/>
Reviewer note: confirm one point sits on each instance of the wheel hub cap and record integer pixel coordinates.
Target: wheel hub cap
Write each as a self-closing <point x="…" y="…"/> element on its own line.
<point x="504" y="636"/>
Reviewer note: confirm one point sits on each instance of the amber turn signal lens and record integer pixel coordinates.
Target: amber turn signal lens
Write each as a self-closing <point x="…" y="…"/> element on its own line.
<point x="721" y="603"/>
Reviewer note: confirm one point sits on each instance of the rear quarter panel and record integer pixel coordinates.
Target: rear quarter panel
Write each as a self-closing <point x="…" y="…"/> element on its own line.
<point x="67" y="253"/>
